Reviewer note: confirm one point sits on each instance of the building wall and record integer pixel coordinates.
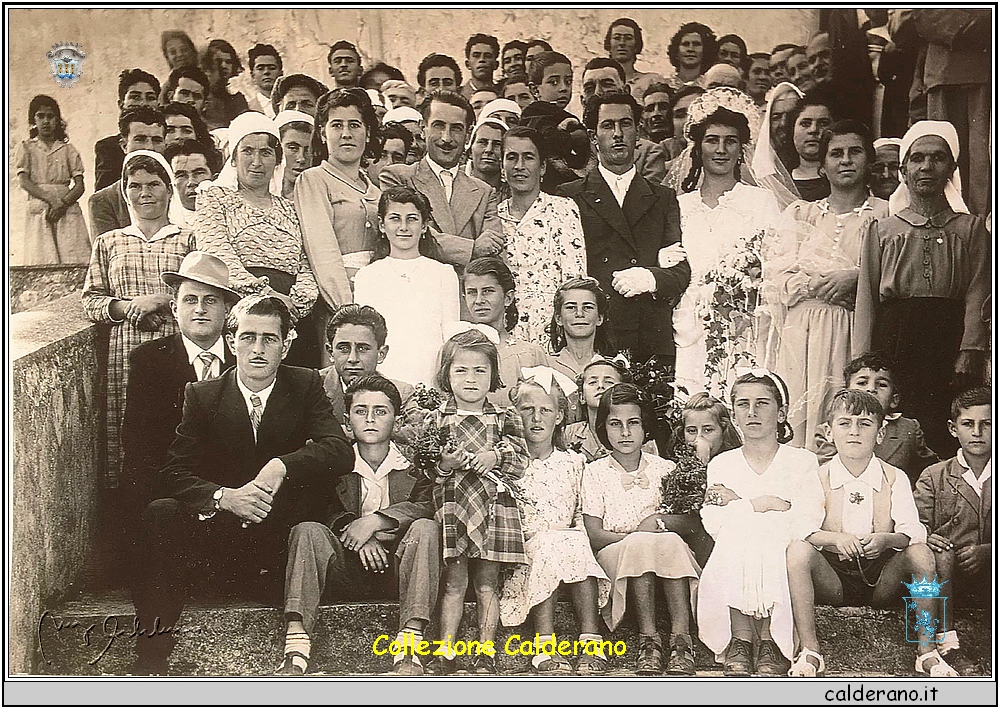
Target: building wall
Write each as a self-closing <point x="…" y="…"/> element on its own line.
<point x="116" y="39"/>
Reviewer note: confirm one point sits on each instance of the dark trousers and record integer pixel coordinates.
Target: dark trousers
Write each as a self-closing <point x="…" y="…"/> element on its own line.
<point x="177" y="553"/>
<point x="922" y="336"/>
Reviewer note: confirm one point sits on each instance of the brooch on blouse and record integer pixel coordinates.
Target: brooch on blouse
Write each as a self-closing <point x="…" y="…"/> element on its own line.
<point x="856" y="498"/>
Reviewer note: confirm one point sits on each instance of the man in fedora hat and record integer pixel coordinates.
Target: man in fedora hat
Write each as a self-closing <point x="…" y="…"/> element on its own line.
<point x="161" y="368"/>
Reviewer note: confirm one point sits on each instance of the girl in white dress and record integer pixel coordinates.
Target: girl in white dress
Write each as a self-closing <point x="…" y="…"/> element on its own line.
<point x="416" y="295"/>
<point x="760" y="497"/>
<point x="620" y="492"/>
<point x="555" y="540"/>
<point x="717" y="211"/>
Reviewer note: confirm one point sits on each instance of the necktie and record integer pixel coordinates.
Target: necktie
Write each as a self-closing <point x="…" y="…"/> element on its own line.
<point x="207" y="358"/>
<point x="258" y="409"/>
<point x="446" y="181"/>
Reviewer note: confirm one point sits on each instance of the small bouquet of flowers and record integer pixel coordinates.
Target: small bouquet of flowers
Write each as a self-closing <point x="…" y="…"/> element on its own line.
<point x="683" y="490"/>
<point x="729" y="311"/>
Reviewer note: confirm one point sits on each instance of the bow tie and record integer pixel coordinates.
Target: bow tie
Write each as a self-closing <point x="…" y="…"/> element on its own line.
<point x="630" y="480"/>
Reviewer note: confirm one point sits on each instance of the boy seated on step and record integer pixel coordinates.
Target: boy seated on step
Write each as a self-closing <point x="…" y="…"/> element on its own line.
<point x="902" y="445"/>
<point x="870" y="541"/>
<point x="378" y="535"/>
<point x="954" y="501"/>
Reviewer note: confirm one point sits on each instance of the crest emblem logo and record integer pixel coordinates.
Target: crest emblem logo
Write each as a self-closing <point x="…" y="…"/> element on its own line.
<point x="926" y="609"/>
<point x="66" y="61"/>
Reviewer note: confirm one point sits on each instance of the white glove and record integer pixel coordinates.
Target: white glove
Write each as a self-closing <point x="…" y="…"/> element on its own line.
<point x="633" y="281"/>
<point x="670" y="255"/>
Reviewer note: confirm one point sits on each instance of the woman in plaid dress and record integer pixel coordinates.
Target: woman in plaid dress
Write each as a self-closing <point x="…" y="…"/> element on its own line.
<point x="479" y="516"/>
<point x="123" y="286"/>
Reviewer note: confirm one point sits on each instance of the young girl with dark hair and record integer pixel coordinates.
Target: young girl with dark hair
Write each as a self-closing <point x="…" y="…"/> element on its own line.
<point x="416" y="295"/>
<point x="489" y="296"/>
<point x="50" y="170"/>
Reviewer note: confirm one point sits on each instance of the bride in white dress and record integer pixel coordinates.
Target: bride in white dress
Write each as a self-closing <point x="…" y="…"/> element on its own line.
<point x="717" y="212"/>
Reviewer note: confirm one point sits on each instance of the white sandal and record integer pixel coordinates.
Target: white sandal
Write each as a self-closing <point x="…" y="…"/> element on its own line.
<point x="803" y="668"/>
<point x="938" y="669"/>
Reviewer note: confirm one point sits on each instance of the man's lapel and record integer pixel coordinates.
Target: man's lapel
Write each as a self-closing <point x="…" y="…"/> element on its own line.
<point x="232" y="418"/>
<point x="638" y="200"/>
<point x="466" y="195"/>
<point x="600" y="197"/>
<point x="279" y="415"/>
<point x="428" y="183"/>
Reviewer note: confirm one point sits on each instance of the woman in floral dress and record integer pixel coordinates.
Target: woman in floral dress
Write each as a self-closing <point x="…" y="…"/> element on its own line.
<point x="544" y="236"/>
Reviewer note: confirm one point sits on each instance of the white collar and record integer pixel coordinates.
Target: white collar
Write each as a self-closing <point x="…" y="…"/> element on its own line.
<point x="164" y="231"/>
<point x="394" y="460"/>
<point x="263" y="394"/>
<point x="987" y="471"/>
<point x="617" y="467"/>
<point x="840" y="476"/>
<point x="612" y="178"/>
<point x="437" y="169"/>
<point x="193" y="349"/>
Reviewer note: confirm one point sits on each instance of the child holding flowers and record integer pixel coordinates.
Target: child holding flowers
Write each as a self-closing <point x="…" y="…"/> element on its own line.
<point x="475" y="504"/>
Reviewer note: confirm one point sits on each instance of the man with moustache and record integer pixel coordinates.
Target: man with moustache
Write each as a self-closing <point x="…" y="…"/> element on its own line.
<point x="632" y="231"/>
<point x="463" y="208"/>
<point x="256" y="452"/>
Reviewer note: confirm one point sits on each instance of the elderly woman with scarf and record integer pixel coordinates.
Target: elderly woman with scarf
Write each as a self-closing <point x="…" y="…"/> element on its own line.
<point x="925" y="283"/>
<point x="243" y="219"/>
<point x="123" y="287"/>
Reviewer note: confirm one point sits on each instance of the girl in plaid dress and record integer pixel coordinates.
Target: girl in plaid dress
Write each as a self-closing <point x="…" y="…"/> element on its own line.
<point x="479" y="516"/>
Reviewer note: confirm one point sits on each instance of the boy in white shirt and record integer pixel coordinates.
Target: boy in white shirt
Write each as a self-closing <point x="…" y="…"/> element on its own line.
<point x="870" y="541"/>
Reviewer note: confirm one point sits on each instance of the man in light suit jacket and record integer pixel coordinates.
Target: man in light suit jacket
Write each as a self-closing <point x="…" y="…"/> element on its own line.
<point x="257" y="451"/>
<point x="464" y="208"/>
<point x="633" y="231"/>
<point x="160" y="370"/>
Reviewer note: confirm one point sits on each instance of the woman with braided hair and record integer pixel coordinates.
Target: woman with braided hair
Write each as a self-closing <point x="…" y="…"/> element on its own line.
<point x="718" y="211"/>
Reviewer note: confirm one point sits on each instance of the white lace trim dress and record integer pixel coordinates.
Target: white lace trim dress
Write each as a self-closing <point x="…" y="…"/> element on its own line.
<point x="555" y="540"/>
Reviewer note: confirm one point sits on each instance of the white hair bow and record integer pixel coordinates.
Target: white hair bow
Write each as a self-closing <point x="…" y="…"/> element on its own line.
<point x="762" y="373"/>
<point x="460" y="326"/>
<point x="543" y="376"/>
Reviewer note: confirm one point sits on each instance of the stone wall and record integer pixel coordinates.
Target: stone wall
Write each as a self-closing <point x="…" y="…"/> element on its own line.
<point x="31" y="286"/>
<point x="56" y="434"/>
<point x="116" y="39"/>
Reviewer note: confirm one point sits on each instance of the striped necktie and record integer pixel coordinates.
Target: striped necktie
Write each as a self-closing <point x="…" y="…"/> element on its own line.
<point x="258" y="409"/>
<point x="207" y="358"/>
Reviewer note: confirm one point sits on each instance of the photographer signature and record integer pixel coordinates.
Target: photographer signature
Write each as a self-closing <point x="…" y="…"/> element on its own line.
<point x="109" y="631"/>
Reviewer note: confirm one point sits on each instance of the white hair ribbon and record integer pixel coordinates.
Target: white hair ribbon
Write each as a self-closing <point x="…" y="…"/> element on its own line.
<point x="460" y="326"/>
<point x="544" y="376"/>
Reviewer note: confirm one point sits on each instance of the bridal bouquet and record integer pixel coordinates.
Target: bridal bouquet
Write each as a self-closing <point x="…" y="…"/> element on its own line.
<point x="683" y="490"/>
<point x="729" y="313"/>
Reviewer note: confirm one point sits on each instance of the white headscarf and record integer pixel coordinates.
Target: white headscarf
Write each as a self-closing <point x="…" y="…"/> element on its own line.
<point x="499" y="104"/>
<point x="882" y="142"/>
<point x="767" y="169"/>
<point x="401" y="114"/>
<point x="900" y="199"/>
<point x="243" y="125"/>
<point x="175" y="210"/>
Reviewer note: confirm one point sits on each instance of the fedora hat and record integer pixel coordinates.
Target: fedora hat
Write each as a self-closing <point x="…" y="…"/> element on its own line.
<point x="202" y="267"/>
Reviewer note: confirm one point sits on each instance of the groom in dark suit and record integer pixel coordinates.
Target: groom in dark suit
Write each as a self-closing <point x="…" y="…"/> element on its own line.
<point x="257" y="451"/>
<point x="633" y="232"/>
<point x="159" y="371"/>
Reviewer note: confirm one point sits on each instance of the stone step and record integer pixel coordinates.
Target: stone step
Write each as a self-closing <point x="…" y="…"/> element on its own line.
<point x="92" y="636"/>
